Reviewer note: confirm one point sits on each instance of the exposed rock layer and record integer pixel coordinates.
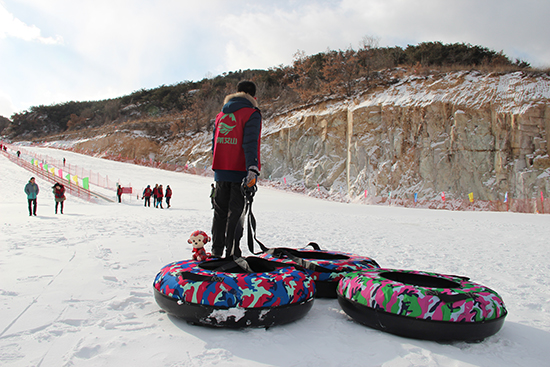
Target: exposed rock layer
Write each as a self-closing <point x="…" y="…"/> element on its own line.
<point x="458" y="133"/>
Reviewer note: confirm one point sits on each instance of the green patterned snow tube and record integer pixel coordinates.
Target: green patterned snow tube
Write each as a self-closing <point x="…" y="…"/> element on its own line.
<point x="422" y="305"/>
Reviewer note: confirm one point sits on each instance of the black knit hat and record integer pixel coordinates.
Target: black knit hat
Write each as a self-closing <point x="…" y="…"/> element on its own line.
<point x="247" y="87"/>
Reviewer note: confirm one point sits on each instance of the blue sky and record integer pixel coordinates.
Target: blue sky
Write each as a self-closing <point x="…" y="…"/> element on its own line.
<point x="54" y="51"/>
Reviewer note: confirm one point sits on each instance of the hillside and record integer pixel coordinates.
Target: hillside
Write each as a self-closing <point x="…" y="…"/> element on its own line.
<point x="352" y="122"/>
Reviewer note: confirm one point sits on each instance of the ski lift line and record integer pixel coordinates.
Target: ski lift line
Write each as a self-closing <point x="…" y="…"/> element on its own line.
<point x="95" y="178"/>
<point x="71" y="188"/>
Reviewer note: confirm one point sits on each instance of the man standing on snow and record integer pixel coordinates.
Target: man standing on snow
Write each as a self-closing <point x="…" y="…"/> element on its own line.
<point x="31" y="189"/>
<point x="236" y="162"/>
<point x="147" y="195"/>
<point x="168" y="195"/>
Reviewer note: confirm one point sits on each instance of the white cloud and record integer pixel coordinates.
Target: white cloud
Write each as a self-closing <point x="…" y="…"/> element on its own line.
<point x="13" y="27"/>
<point x="111" y="48"/>
<point x="6" y="105"/>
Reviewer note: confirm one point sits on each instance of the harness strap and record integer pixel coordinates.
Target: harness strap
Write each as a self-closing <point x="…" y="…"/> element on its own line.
<point x="280" y="252"/>
<point x="248" y="216"/>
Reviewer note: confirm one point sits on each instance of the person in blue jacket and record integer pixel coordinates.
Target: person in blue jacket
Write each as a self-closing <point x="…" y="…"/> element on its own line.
<point x="236" y="163"/>
<point x="31" y="189"/>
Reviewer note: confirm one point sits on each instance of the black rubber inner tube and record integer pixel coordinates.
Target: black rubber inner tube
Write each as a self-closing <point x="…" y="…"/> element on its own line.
<point x="257" y="265"/>
<point x="317" y="255"/>
<point x="419" y="280"/>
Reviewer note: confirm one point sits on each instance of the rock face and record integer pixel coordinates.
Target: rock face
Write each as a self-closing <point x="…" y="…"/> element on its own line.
<point x="458" y="133"/>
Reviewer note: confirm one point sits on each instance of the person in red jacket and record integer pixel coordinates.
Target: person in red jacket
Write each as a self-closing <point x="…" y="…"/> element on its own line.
<point x="147" y="196"/>
<point x="168" y="195"/>
<point x="160" y="195"/>
<point x="59" y="193"/>
<point x="236" y="163"/>
<point x="119" y="193"/>
<point x="155" y="195"/>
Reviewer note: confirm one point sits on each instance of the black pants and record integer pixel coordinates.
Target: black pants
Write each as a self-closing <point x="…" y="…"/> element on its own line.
<point x="57" y="204"/>
<point x="168" y="201"/>
<point x="147" y="201"/>
<point x="32" y="206"/>
<point x="228" y="207"/>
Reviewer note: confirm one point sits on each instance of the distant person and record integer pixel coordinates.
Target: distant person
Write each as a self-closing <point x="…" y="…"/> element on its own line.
<point x="155" y="195"/>
<point x="160" y="195"/>
<point x="18" y="154"/>
<point x="32" y="190"/>
<point x="236" y="164"/>
<point x="119" y="193"/>
<point x="59" y="193"/>
<point x="147" y="196"/>
<point x="168" y="196"/>
<point x="63" y="162"/>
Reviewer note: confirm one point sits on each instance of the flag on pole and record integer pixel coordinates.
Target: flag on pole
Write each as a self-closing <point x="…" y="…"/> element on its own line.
<point x="415" y="197"/>
<point x="471" y="197"/>
<point x="443" y="196"/>
<point x="68" y="177"/>
<point x="75" y="179"/>
<point x="506" y="197"/>
<point x="541" y="196"/>
<point x="86" y="183"/>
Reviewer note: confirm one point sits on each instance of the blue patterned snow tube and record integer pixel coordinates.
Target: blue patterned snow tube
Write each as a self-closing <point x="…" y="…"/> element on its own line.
<point x="325" y="267"/>
<point x="221" y="293"/>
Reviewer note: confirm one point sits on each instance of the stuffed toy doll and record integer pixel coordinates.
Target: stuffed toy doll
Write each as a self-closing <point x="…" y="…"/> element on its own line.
<point x="199" y="239"/>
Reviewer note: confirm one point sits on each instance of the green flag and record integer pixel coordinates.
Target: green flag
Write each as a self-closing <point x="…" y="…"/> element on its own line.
<point x="86" y="183"/>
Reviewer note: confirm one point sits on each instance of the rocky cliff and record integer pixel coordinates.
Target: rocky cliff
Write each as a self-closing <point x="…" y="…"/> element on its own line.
<point x="456" y="133"/>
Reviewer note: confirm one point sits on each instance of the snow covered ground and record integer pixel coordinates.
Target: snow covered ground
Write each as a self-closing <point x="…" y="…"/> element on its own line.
<point x="76" y="289"/>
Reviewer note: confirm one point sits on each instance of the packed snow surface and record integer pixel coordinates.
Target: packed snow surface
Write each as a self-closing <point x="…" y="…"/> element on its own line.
<point x="76" y="289"/>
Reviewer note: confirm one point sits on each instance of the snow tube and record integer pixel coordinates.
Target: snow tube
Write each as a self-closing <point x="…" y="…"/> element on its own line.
<point x="325" y="267"/>
<point x="220" y="293"/>
<point x="422" y="305"/>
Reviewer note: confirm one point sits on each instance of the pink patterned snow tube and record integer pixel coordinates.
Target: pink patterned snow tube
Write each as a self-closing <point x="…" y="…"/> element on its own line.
<point x="441" y="300"/>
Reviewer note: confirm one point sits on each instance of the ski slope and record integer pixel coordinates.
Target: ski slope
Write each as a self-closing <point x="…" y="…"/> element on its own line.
<point x="76" y="289"/>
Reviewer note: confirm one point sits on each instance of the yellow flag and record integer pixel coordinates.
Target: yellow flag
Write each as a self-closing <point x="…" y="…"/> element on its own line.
<point x="75" y="179"/>
<point x="471" y="197"/>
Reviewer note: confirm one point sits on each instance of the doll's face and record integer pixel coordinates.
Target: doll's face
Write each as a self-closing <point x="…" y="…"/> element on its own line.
<point x="197" y="241"/>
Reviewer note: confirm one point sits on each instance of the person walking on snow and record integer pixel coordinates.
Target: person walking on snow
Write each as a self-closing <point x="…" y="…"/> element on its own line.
<point x="155" y="195"/>
<point x="236" y="163"/>
<point x="147" y="195"/>
<point x="119" y="193"/>
<point x="59" y="193"/>
<point x="160" y="195"/>
<point x="32" y="190"/>
<point x="168" y="196"/>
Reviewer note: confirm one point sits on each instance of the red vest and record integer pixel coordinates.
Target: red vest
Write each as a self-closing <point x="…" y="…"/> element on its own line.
<point x="228" y="141"/>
